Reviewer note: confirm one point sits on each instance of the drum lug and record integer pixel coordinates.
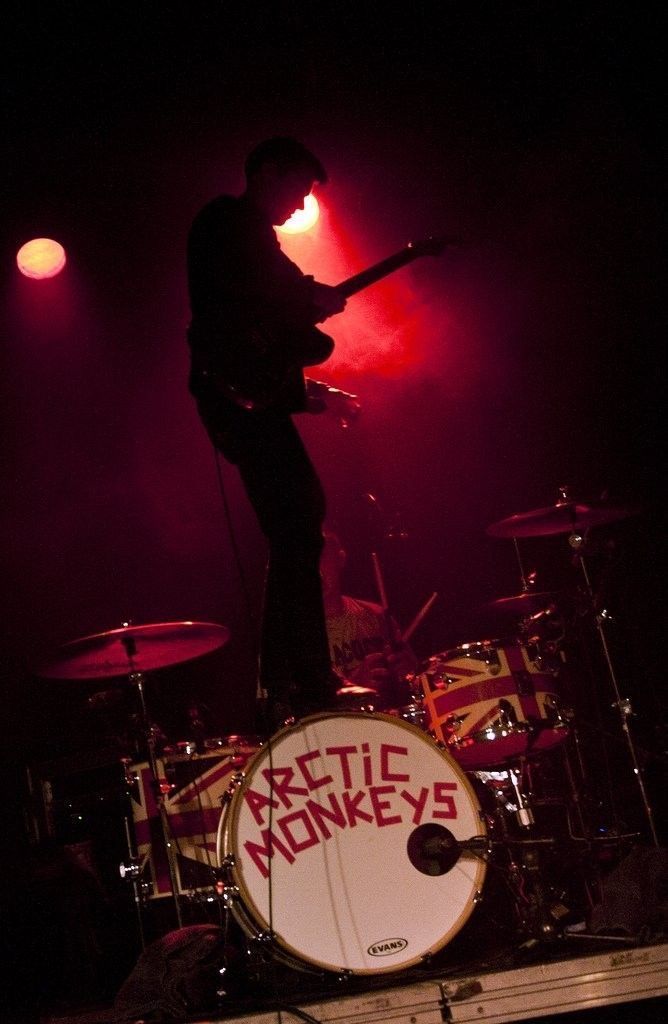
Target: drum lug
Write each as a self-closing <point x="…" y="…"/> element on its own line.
<point x="477" y="897"/>
<point x="130" y="870"/>
<point x="453" y="723"/>
<point x="235" y="781"/>
<point x="230" y="894"/>
<point x="130" y="775"/>
<point x="229" y="861"/>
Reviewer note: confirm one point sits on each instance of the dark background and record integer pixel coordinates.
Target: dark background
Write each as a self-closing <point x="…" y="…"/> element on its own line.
<point x="527" y="359"/>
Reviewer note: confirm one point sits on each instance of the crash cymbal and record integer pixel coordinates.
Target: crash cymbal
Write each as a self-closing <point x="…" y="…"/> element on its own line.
<point x="120" y="652"/>
<point x="563" y="517"/>
<point x="526" y="603"/>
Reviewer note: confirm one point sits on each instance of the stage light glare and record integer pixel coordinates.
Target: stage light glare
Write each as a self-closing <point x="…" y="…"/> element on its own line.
<point x="41" y="258"/>
<point x="302" y="220"/>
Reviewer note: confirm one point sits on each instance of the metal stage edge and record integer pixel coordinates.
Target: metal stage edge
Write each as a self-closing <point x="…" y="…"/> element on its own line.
<point x="574" y="984"/>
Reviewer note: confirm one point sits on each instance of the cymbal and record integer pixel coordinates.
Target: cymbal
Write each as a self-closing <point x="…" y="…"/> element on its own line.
<point x="524" y="604"/>
<point x="120" y="652"/>
<point x="352" y="690"/>
<point x="563" y="517"/>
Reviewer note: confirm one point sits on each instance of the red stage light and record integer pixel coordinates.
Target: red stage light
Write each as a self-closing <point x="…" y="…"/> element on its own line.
<point x="302" y="220"/>
<point x="40" y="258"/>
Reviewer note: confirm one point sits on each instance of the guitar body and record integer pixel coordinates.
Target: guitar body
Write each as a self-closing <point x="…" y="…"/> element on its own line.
<point x="269" y="362"/>
<point x="264" y="366"/>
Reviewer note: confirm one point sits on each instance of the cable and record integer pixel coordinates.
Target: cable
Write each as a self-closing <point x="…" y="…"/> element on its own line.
<point x="270" y="889"/>
<point x="296" y="1012"/>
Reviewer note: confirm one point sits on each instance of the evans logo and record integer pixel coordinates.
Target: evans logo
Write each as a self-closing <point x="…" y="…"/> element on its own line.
<point x="387" y="946"/>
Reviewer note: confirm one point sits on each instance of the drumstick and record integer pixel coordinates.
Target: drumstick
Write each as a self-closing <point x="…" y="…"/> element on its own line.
<point x="390" y="631"/>
<point x="379" y="581"/>
<point x="407" y="633"/>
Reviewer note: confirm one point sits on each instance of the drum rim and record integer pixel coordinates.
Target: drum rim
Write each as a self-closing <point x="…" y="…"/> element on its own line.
<point x="244" y="907"/>
<point x="492" y="644"/>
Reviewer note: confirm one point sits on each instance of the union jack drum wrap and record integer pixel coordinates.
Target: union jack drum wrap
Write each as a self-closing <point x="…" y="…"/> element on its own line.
<point x="193" y="788"/>
<point x="490" y="702"/>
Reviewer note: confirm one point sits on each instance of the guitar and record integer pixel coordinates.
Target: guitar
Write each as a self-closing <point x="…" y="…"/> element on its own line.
<point x="272" y="358"/>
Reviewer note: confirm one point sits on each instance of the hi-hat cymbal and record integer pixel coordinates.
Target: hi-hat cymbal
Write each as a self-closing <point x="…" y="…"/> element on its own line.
<point x="120" y="652"/>
<point x="525" y="603"/>
<point x="563" y="517"/>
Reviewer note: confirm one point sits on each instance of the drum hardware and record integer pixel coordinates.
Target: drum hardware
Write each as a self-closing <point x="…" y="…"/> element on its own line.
<point x="565" y="516"/>
<point x="226" y="797"/>
<point x="131" y="871"/>
<point x="183" y="750"/>
<point x="131" y="652"/>
<point x="193" y="788"/>
<point x="334" y="804"/>
<point x="541" y="910"/>
<point x="523" y="813"/>
<point x="238" y="744"/>
<point x="491" y="701"/>
<point x="540" y="905"/>
<point x="434" y="850"/>
<point x="353" y="697"/>
<point x="415" y="713"/>
<point x="151" y="646"/>
<point x="531" y="603"/>
<point x="623" y="705"/>
<point x="509" y="794"/>
<point x="575" y="518"/>
<point x="529" y="855"/>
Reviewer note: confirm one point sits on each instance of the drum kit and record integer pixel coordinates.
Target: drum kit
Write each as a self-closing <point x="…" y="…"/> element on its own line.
<point x="358" y="841"/>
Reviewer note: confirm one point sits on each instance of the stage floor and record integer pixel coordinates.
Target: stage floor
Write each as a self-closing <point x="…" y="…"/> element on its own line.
<point x="583" y="978"/>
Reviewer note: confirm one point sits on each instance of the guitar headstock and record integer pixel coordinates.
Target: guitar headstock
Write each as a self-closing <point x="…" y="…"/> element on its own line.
<point x="434" y="245"/>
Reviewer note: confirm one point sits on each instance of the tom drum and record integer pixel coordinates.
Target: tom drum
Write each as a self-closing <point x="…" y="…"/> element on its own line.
<point x="490" y="702"/>
<point x="193" y="786"/>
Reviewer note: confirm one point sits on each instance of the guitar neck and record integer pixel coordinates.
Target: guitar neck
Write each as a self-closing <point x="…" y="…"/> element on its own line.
<point x="377" y="271"/>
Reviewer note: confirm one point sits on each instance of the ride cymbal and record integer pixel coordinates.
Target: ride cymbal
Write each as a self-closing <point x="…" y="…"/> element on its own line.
<point x="563" y="517"/>
<point x="120" y="652"/>
<point x="523" y="604"/>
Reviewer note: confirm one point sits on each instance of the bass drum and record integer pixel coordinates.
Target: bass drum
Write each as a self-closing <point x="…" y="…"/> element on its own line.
<point x="340" y="840"/>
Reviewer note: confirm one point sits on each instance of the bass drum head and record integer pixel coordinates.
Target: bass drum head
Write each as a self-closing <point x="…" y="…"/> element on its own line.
<point x="335" y="840"/>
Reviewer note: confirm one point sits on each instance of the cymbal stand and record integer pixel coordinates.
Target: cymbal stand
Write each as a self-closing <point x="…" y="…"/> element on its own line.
<point x="131" y="869"/>
<point x="577" y="542"/>
<point x="138" y="680"/>
<point x="523" y="579"/>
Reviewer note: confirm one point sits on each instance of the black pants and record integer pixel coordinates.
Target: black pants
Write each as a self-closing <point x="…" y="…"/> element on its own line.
<point x="287" y="496"/>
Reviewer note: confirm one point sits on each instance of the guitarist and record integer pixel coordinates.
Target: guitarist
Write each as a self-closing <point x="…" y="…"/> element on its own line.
<point x="252" y="331"/>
